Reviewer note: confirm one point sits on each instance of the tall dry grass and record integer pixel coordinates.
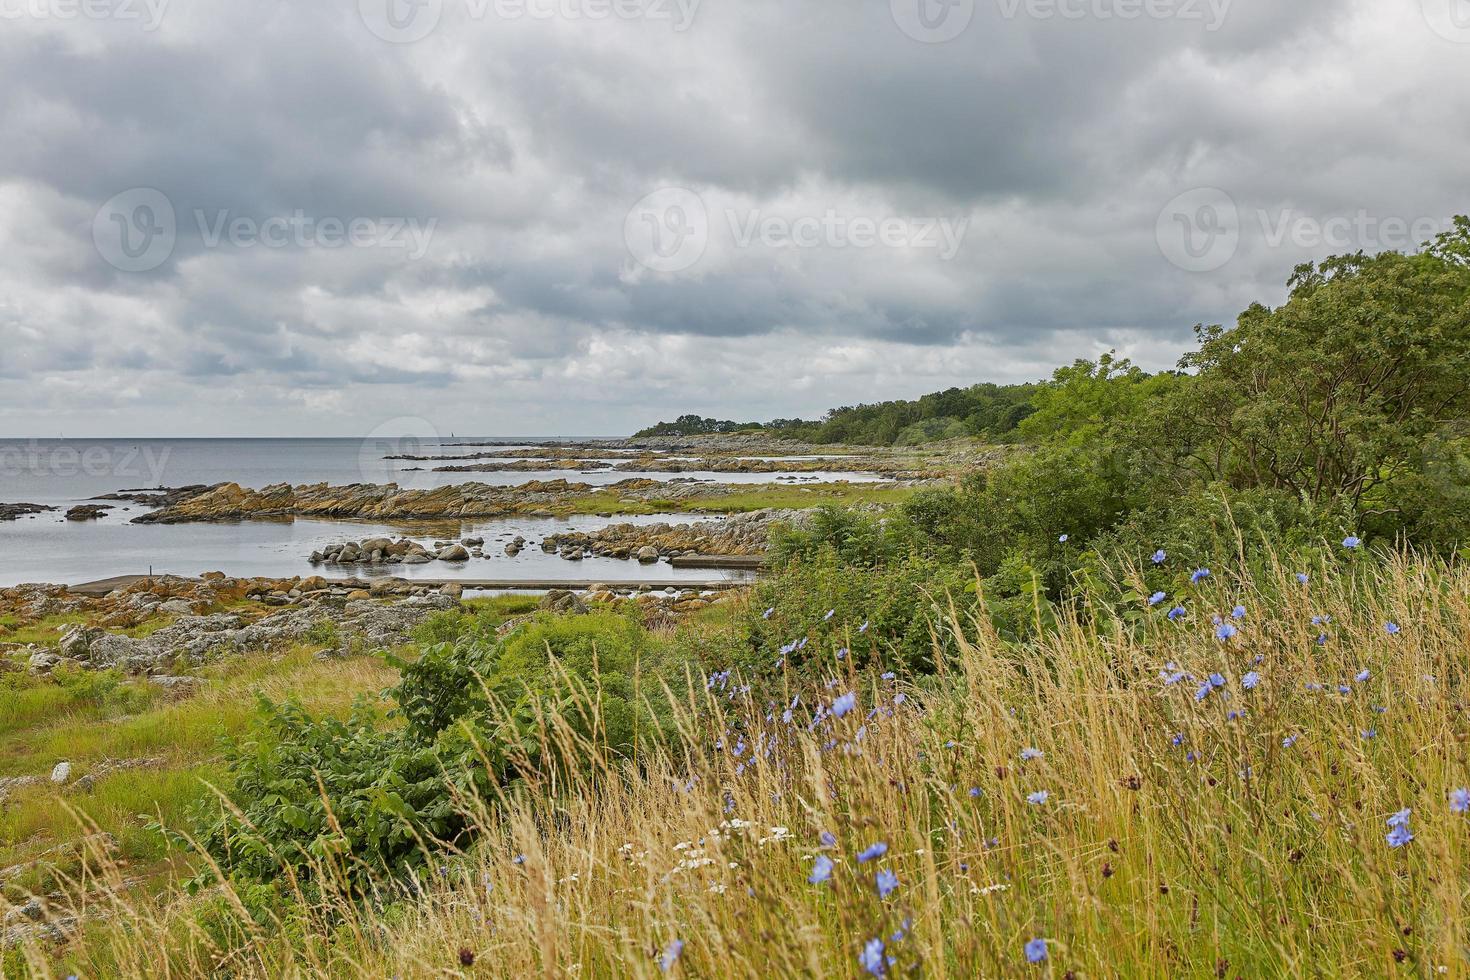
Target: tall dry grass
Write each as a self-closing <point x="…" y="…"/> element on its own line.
<point x="1239" y="834"/>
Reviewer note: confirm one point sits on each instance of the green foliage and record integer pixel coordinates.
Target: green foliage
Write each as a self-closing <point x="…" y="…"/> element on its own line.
<point x="371" y="800"/>
<point x="856" y="537"/>
<point x="692" y="425"/>
<point x="901" y="601"/>
<point x="1087" y="400"/>
<point x="1353" y="390"/>
<point x="985" y="411"/>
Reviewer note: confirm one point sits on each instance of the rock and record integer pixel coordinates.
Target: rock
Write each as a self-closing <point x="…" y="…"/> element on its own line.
<point x="176" y="607"/>
<point x="473" y="542"/>
<point x="88" y="512"/>
<point x="562" y="601"/>
<point x="376" y="544"/>
<point x="11" y="512"/>
<point x="388" y="586"/>
<point x="357" y="594"/>
<point x="76" y="642"/>
<point x="42" y="662"/>
<point x="455" y="552"/>
<point x="170" y="682"/>
<point x="647" y="554"/>
<point x="512" y="549"/>
<point x="453" y="589"/>
<point x="61" y="773"/>
<point x="417" y="558"/>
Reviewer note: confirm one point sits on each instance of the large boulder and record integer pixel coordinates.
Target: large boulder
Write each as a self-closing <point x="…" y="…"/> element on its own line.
<point x="648" y="554"/>
<point x="455" y="552"/>
<point x="563" y="601"/>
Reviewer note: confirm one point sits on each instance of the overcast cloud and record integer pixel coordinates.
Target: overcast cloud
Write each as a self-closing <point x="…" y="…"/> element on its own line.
<point x="581" y="216"/>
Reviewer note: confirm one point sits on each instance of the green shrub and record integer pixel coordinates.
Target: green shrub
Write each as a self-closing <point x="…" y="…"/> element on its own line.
<point x="899" y="600"/>
<point x="372" y="800"/>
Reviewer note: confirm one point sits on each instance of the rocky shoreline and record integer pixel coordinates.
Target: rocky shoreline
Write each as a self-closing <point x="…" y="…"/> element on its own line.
<point x="737" y="535"/>
<point x="14" y="512"/>
<point x="214" y="616"/>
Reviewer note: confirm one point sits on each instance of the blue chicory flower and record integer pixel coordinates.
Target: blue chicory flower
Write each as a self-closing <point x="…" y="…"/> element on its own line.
<point x="872" y="959"/>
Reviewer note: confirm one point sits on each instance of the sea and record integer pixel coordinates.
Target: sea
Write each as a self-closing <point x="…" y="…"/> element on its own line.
<point x="65" y="472"/>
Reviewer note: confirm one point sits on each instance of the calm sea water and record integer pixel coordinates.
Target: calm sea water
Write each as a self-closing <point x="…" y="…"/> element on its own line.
<point x="48" y="548"/>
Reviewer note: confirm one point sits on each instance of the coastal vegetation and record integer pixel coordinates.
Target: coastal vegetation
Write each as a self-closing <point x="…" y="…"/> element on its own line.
<point x="1172" y="688"/>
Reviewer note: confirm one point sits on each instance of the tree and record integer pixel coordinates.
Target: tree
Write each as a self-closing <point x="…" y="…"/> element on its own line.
<point x="1339" y="392"/>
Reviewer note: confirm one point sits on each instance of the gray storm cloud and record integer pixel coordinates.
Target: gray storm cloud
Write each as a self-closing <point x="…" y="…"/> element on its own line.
<point x="539" y="216"/>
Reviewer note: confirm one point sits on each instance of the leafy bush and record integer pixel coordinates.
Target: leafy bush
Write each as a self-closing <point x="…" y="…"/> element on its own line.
<point x="900" y="601"/>
<point x="371" y="800"/>
<point x="856" y="537"/>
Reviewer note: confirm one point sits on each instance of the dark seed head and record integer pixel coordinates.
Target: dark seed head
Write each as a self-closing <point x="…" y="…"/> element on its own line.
<point x="1107" y="871"/>
<point x="1400" y="955"/>
<point x="466" y="956"/>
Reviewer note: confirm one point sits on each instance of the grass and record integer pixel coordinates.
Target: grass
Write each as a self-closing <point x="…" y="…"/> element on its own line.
<point x="166" y="747"/>
<point x="757" y="497"/>
<point x="1234" y="832"/>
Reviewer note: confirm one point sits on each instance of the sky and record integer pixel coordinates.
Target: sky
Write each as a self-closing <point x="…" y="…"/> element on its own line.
<point x="345" y="217"/>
